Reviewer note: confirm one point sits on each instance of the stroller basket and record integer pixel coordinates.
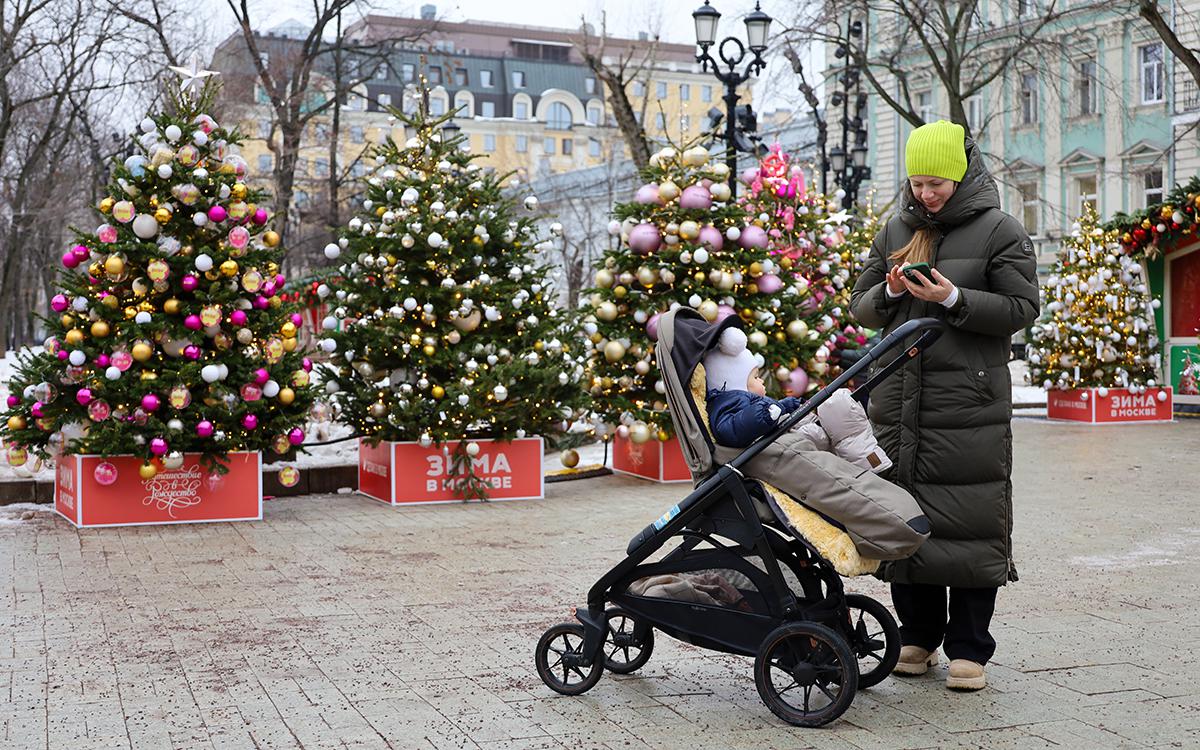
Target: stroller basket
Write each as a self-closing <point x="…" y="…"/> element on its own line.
<point x="739" y="581"/>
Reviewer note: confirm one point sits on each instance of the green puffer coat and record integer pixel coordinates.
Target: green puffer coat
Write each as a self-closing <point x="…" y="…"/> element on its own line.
<point x="945" y="420"/>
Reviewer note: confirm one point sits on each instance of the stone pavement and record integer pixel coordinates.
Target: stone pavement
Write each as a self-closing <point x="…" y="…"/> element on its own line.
<point x="337" y="622"/>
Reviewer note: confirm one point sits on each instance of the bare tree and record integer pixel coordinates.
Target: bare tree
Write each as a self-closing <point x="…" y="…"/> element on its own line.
<point x="1150" y="10"/>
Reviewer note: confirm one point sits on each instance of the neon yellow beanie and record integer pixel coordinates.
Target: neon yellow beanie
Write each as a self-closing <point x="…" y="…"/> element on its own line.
<point x="937" y="150"/>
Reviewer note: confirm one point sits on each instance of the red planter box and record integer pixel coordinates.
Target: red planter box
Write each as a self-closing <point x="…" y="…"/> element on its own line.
<point x="653" y="459"/>
<point x="189" y="494"/>
<point x="402" y="473"/>
<point x="1109" y="406"/>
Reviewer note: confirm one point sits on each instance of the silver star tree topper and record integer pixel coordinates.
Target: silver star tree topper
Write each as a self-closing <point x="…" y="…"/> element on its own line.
<point x="192" y="77"/>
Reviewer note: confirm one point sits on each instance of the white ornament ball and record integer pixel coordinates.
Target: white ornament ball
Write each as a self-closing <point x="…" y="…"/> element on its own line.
<point x="145" y="226"/>
<point x="142" y="318"/>
<point x="204" y="263"/>
<point x="77" y="358"/>
<point x="113" y="373"/>
<point x="147" y="125"/>
<point x="531" y="203"/>
<point x="173" y="133"/>
<point x="210" y="373"/>
<point x="328" y="345"/>
<point x="332" y="251"/>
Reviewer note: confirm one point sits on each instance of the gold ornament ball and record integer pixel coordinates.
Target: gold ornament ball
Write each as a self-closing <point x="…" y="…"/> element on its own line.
<point x="111" y="302"/>
<point x="286" y="396"/>
<point x="619" y="292"/>
<point x="74" y="337"/>
<point x="613" y="351"/>
<point x="114" y="265"/>
<point x="756" y="269"/>
<point x="786" y="263"/>
<point x="288" y="329"/>
<point x="171" y="306"/>
<point x="709" y="310"/>
<point x="646" y="276"/>
<point x="214" y="274"/>
<point x="16" y="422"/>
<point x="570" y="458"/>
<point x="270" y="239"/>
<point x="238" y="191"/>
<point x="142" y="352"/>
<point x="106" y="205"/>
<point x="438" y="392"/>
<point x="639" y="433"/>
<point x="67" y="321"/>
<point x="147" y="471"/>
<point x="689" y="230"/>
<point x="604" y="278"/>
<point x="99" y="329"/>
<point x="289" y="344"/>
<point x="149" y="375"/>
<point x="428" y="349"/>
<point x="229" y="268"/>
<point x="96" y="269"/>
<point x="699" y="277"/>
<point x="607" y="311"/>
<point x="162" y="215"/>
<point x="780" y="336"/>
<point x="668" y="191"/>
<point x="130" y="312"/>
<point x="663" y="436"/>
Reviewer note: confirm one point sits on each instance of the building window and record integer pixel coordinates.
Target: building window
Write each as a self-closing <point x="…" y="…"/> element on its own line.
<point x="521" y="110"/>
<point x="974" y="110"/>
<point x="384" y="100"/>
<point x="463" y="106"/>
<point x="518" y="79"/>
<point x="594" y="115"/>
<point x="264" y="129"/>
<point x="408" y="72"/>
<point x="660" y="90"/>
<point x="435" y="75"/>
<point x="321" y="167"/>
<point x="548" y="145"/>
<point x="660" y="121"/>
<point x="639" y="88"/>
<point x="685" y="123"/>
<point x="1030" y="207"/>
<point x="1029" y="99"/>
<point x="301" y="199"/>
<point x="1085" y="87"/>
<point x="461" y="78"/>
<point x="558" y="117"/>
<point x="568" y="146"/>
<point x="522" y="144"/>
<point x="264" y="162"/>
<point x="489" y="143"/>
<point x="1152" y="188"/>
<point x="1151" y="59"/>
<point x="706" y="93"/>
<point x="487" y="109"/>
<point x="357" y="134"/>
<point x="685" y="92"/>
<point x="593" y="147"/>
<point x="485" y="79"/>
<point x="357" y="169"/>
<point x="1026" y="8"/>
<point x="437" y="106"/>
<point x="1085" y="191"/>
<point x="589" y="85"/>
<point x="925" y="105"/>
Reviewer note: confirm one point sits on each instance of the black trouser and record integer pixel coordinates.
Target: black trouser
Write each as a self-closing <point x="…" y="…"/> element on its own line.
<point x="924" y="622"/>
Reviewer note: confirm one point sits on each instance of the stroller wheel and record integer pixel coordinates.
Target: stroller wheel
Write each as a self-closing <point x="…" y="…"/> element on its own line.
<point x="626" y="650"/>
<point x="559" y="658"/>
<point x="805" y="673"/>
<point x="874" y="638"/>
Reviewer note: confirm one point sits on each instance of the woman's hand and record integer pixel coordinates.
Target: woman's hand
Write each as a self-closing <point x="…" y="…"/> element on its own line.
<point x="895" y="281"/>
<point x="925" y="289"/>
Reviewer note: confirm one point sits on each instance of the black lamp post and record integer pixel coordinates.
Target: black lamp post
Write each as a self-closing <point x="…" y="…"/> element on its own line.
<point x="848" y="160"/>
<point x="758" y="25"/>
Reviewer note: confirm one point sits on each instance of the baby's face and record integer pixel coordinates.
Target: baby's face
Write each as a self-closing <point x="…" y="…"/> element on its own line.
<point x="755" y="385"/>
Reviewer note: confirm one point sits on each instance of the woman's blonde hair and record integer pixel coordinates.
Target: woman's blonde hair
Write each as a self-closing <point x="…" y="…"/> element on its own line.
<point x="918" y="250"/>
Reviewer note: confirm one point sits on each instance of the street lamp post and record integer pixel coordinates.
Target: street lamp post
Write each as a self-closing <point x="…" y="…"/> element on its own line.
<point x="848" y="161"/>
<point x="731" y="52"/>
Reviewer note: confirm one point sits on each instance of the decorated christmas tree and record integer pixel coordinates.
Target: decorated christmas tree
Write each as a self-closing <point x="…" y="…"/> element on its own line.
<point x="816" y="245"/>
<point x="168" y="335"/>
<point x="683" y="242"/>
<point x="1097" y="327"/>
<point x="441" y="325"/>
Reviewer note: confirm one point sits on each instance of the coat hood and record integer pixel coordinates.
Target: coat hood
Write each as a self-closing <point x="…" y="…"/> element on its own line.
<point x="975" y="194"/>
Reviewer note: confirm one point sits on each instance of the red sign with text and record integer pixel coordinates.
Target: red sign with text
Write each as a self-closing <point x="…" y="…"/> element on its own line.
<point x="108" y="491"/>
<point x="401" y="473"/>
<point x="653" y="459"/>
<point x="1110" y="405"/>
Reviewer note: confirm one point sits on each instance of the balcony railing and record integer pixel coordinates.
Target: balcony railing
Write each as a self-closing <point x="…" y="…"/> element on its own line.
<point x="1187" y="95"/>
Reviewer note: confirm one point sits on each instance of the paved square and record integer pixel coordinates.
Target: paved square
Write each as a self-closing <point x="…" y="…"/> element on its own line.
<point x="338" y="622"/>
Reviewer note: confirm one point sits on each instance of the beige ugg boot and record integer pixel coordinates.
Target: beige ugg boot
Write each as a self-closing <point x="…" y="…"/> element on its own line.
<point x="966" y="675"/>
<point x="915" y="660"/>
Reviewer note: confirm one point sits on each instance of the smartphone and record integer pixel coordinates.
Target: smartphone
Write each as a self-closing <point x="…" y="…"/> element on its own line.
<point x="924" y="269"/>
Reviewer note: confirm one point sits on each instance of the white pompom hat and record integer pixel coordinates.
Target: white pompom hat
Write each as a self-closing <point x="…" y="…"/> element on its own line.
<point x="728" y="367"/>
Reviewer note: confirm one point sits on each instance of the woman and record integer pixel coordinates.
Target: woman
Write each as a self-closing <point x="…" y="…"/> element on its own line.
<point x="945" y="422"/>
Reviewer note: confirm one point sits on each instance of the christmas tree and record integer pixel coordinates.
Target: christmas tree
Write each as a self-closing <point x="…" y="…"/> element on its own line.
<point x="1097" y="327"/>
<point x="683" y="242"/>
<point x="168" y="335"/>
<point x="441" y="325"/>
<point x="808" y="239"/>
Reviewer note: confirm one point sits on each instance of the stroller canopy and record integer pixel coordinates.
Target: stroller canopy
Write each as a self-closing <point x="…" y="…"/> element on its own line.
<point x="684" y="337"/>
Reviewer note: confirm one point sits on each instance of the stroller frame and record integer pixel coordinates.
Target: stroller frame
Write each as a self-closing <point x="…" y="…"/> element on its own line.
<point x="728" y="505"/>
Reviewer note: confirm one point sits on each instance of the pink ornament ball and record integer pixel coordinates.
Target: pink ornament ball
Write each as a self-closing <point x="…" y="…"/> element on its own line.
<point x="696" y="197"/>
<point x="297" y="319"/>
<point x="150" y="402"/>
<point x="217" y="213"/>
<point x="37" y="409"/>
<point x="61" y="354"/>
<point x="69" y="260"/>
<point x="280" y="279"/>
<point x="749" y="175"/>
<point x="769" y="283"/>
<point x="238" y="318"/>
<point x="102" y="360"/>
<point x="158" y="446"/>
<point x="268" y="289"/>
<point x="260" y="216"/>
<point x="83" y="396"/>
<point x="711" y="238"/>
<point x="797" y="382"/>
<point x="261" y="376"/>
<point x="250" y="421"/>
<point x="261" y="302"/>
<point x="105" y="474"/>
<point x="189" y="283"/>
<point x="14" y="401"/>
<point x="81" y="253"/>
<point x="645" y="238"/>
<point x="59" y="303"/>
<point x="191" y="351"/>
<point x="723" y="312"/>
<point x="753" y="236"/>
<point x="306" y="363"/>
<point x="647" y="195"/>
<point x="296" y="436"/>
<point x="193" y="322"/>
<point x="652" y="326"/>
<point x="204" y="428"/>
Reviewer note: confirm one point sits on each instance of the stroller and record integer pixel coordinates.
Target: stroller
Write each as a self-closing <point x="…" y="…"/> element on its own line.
<point x="754" y="572"/>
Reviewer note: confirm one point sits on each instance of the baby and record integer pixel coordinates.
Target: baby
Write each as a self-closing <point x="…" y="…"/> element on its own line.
<point x="739" y="411"/>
